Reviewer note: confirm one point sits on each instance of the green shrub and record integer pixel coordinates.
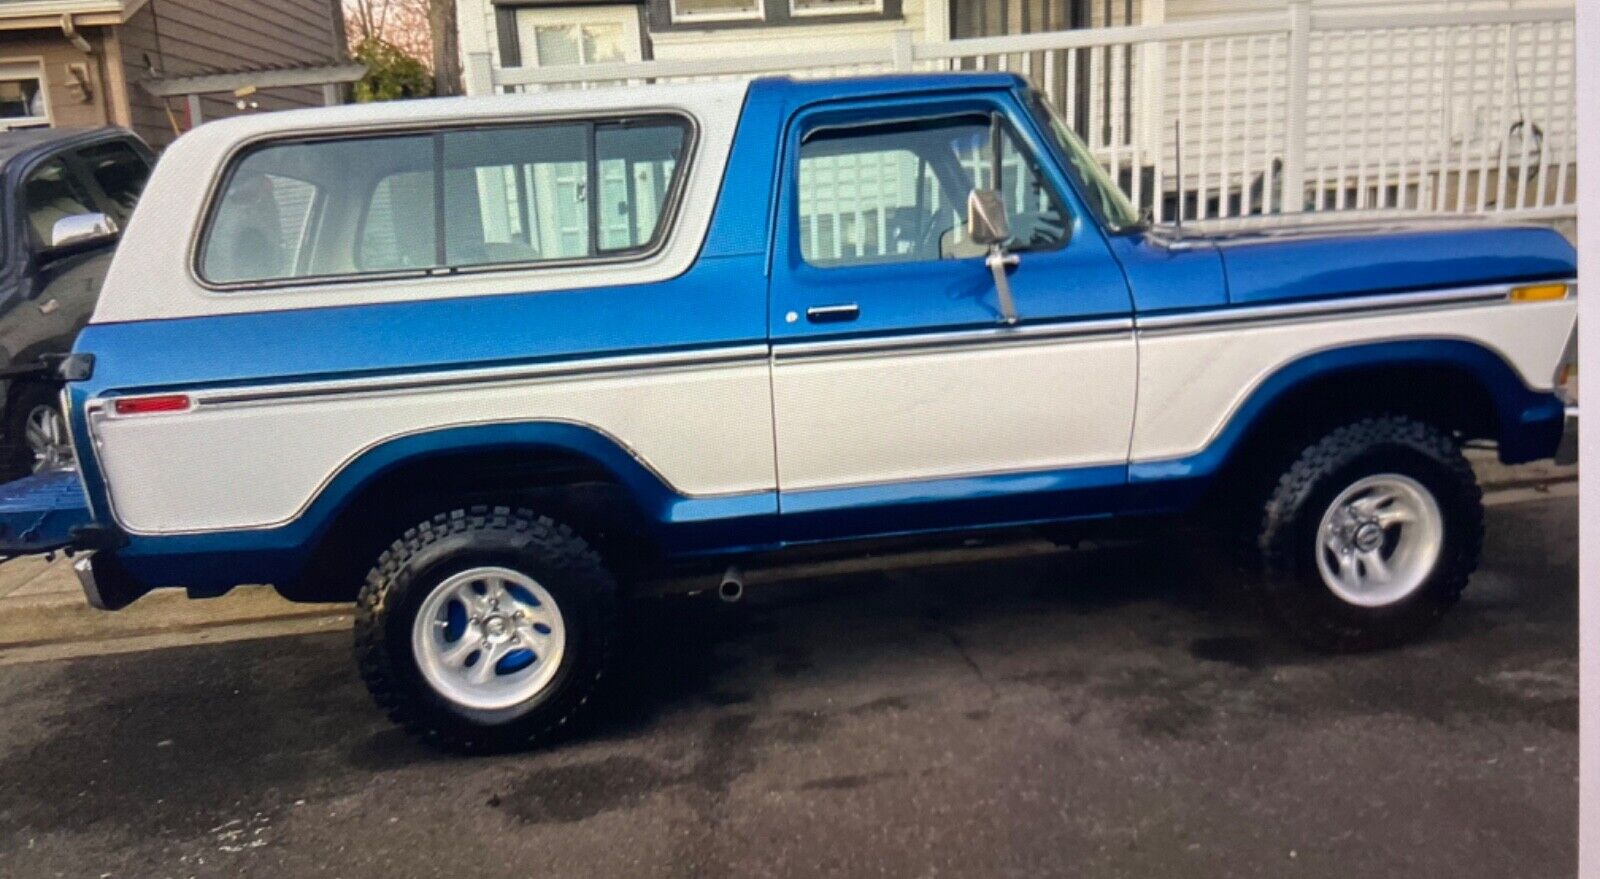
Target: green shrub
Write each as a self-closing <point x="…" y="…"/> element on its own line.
<point x="391" y="74"/>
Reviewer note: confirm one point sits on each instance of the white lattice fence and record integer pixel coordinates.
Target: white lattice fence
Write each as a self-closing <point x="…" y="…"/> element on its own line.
<point x="1276" y="113"/>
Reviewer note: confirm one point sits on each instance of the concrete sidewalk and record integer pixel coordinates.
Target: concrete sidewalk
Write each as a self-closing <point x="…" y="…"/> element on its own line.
<point x="43" y="614"/>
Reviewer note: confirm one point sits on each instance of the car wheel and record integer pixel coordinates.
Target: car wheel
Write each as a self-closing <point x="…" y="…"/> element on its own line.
<point x="485" y="629"/>
<point x="36" y="433"/>
<point x="1370" y="536"/>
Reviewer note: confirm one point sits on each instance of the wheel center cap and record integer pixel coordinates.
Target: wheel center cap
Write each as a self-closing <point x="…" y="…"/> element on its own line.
<point x="1369" y="537"/>
<point x="496" y="628"/>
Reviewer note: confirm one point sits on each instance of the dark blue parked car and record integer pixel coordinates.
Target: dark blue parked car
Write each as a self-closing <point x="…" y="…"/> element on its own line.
<point x="68" y="195"/>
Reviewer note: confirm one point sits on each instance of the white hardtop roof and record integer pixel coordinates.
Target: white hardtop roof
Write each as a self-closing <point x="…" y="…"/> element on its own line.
<point x="455" y="111"/>
<point x="159" y="241"/>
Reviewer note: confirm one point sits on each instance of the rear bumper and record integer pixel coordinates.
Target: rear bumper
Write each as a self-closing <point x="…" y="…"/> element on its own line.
<point x="1567" y="452"/>
<point x="41" y="513"/>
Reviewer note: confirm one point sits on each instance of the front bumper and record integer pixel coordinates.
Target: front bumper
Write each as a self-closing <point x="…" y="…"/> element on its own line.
<point x="1567" y="452"/>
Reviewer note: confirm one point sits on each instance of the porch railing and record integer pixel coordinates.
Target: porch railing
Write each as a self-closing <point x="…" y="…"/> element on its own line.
<point x="1468" y="112"/>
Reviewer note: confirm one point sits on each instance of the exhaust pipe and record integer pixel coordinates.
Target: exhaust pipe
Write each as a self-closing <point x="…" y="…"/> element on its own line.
<point x="731" y="588"/>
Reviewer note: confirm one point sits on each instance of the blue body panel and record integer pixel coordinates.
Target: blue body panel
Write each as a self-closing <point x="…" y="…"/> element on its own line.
<point x="1077" y="281"/>
<point x="1001" y="500"/>
<point x="1322" y="266"/>
<point x="1166" y="279"/>
<point x="40" y="512"/>
<point x="723" y="301"/>
<point x="700" y="309"/>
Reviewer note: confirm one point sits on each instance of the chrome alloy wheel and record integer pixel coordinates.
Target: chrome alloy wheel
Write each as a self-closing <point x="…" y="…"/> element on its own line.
<point x="1379" y="540"/>
<point x="489" y="638"/>
<point x="45" y="432"/>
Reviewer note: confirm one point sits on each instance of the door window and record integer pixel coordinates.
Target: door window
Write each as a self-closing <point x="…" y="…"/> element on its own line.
<point x="50" y="194"/>
<point x="898" y="192"/>
<point x="120" y="171"/>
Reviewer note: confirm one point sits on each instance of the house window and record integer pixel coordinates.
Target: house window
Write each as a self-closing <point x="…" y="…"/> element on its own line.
<point x="22" y="96"/>
<point x="577" y="44"/>
<point x="801" y="8"/>
<point x="715" y="10"/>
<point x="563" y="37"/>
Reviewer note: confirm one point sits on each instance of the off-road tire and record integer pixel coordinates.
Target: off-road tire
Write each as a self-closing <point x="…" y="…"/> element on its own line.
<point x="447" y="543"/>
<point x="1290" y="581"/>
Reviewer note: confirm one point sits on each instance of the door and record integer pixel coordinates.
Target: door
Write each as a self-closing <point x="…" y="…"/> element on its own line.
<point x="902" y="402"/>
<point x="62" y="288"/>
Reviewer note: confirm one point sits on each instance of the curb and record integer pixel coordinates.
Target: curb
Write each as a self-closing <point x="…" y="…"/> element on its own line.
<point x="64" y="617"/>
<point x="55" y="622"/>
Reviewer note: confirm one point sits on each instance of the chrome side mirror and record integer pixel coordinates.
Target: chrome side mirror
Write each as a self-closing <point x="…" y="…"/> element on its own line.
<point x="987" y="223"/>
<point x="82" y="229"/>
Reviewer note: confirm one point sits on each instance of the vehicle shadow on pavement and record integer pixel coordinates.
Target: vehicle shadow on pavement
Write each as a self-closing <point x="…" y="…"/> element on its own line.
<point x="680" y="652"/>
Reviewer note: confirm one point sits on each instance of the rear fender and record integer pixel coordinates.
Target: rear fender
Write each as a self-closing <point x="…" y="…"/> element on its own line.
<point x="215" y="561"/>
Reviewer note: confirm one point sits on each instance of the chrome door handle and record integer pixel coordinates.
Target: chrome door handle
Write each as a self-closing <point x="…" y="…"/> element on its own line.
<point x="832" y="314"/>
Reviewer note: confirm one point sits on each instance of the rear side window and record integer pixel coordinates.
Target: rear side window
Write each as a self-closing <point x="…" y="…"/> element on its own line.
<point x="455" y="200"/>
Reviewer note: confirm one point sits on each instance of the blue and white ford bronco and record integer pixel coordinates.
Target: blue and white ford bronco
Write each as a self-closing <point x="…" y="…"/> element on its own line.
<point x="484" y="365"/>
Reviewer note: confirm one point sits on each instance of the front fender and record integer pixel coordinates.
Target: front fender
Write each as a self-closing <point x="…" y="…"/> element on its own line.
<point x="1529" y="421"/>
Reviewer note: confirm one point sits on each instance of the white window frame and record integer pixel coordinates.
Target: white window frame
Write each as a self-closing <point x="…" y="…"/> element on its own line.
<point x="857" y="8"/>
<point x="28" y="67"/>
<point x="757" y="14"/>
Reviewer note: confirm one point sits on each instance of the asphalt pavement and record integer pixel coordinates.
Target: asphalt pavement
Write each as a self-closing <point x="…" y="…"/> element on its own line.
<point x="1117" y="713"/>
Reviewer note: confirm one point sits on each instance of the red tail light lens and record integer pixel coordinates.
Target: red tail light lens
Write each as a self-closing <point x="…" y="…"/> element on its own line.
<point x="149" y="405"/>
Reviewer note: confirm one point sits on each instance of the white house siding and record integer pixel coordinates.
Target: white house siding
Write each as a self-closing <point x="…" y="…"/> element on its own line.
<point x="475" y="19"/>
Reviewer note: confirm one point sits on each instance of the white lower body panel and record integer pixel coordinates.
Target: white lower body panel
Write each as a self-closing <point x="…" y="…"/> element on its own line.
<point x="980" y="409"/>
<point x="705" y="431"/>
<point x="1192" y="381"/>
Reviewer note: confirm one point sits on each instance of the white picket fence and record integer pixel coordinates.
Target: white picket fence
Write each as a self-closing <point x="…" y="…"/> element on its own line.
<point x="1468" y="112"/>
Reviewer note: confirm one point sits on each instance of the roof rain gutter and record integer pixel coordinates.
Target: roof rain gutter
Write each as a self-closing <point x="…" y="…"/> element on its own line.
<point x="69" y="29"/>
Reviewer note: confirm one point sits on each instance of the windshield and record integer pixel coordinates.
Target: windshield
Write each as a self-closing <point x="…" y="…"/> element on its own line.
<point x="1107" y="201"/>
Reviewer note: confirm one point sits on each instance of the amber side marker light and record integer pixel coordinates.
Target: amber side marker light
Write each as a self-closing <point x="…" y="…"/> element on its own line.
<point x="151" y="405"/>
<point x="1539" y="293"/>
